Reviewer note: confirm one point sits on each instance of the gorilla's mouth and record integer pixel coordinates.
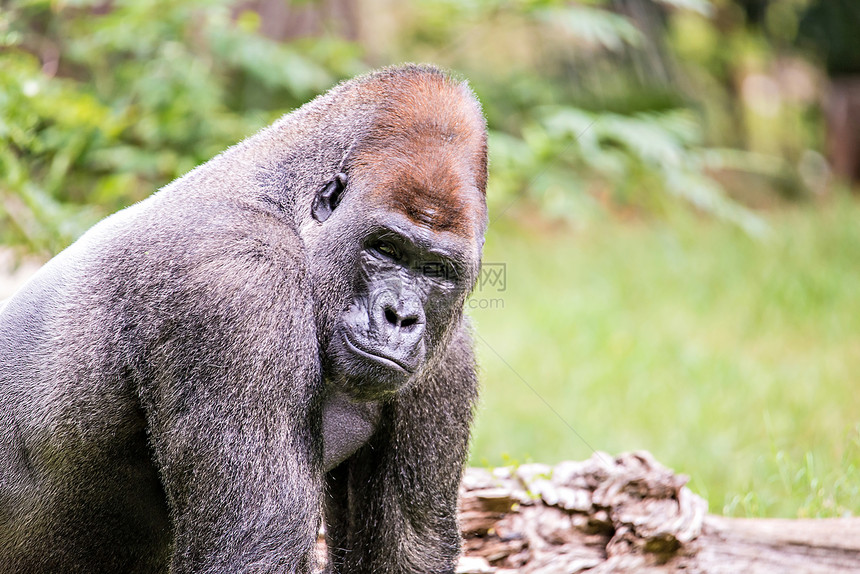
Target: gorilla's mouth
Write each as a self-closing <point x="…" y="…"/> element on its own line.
<point x="385" y="360"/>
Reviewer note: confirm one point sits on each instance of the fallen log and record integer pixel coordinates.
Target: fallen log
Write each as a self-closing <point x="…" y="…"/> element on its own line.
<point x="630" y="514"/>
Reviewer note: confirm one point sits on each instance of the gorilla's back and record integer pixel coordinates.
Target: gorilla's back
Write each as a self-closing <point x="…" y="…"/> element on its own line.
<point x="73" y="444"/>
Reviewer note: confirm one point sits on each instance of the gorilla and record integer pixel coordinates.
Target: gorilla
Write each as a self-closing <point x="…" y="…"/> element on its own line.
<point x="274" y="340"/>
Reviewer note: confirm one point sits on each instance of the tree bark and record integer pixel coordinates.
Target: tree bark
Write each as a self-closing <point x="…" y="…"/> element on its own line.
<point x="630" y="514"/>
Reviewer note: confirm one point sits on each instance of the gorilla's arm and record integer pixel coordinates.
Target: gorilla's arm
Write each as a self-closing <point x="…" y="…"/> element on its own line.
<point x="391" y="508"/>
<point x="232" y="392"/>
<point x="191" y="322"/>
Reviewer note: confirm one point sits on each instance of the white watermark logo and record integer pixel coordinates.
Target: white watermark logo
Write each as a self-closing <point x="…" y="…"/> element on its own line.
<point x="492" y="280"/>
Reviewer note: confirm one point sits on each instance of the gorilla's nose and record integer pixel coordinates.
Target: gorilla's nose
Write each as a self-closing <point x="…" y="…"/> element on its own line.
<point x="399" y="321"/>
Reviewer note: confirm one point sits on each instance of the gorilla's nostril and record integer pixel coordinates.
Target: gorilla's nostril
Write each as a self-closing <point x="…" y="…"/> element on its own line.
<point x="394" y="319"/>
<point x="390" y="316"/>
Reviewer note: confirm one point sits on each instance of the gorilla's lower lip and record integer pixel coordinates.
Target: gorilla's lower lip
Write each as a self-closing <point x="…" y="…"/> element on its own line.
<point x="388" y="361"/>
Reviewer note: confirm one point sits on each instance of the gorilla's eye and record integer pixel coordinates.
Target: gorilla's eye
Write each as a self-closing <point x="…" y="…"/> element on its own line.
<point x="386" y="249"/>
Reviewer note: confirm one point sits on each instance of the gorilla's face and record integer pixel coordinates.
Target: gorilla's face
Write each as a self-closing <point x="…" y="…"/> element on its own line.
<point x="408" y="288"/>
<point x="392" y="281"/>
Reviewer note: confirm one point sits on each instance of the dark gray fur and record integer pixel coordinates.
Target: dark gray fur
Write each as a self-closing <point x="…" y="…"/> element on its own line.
<point x="164" y="392"/>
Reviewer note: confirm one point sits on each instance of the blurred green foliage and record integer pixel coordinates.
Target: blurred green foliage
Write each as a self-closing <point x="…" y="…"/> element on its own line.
<point x="592" y="106"/>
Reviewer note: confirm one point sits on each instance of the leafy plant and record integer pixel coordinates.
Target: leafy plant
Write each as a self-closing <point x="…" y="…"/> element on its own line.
<point x="642" y="159"/>
<point x="101" y="105"/>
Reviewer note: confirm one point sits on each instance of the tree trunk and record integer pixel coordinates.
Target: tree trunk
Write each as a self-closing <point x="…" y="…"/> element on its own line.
<point x="843" y="127"/>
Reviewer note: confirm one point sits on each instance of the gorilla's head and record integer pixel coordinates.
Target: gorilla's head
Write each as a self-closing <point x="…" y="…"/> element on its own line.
<point x="398" y="234"/>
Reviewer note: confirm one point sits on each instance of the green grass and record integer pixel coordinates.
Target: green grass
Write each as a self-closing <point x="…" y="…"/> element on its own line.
<point x="733" y="360"/>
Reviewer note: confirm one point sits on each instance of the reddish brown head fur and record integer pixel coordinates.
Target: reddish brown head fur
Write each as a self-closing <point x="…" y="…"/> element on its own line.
<point x="426" y="155"/>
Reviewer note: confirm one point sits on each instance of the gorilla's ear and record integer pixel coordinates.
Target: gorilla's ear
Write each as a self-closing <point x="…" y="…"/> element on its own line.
<point x="328" y="198"/>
